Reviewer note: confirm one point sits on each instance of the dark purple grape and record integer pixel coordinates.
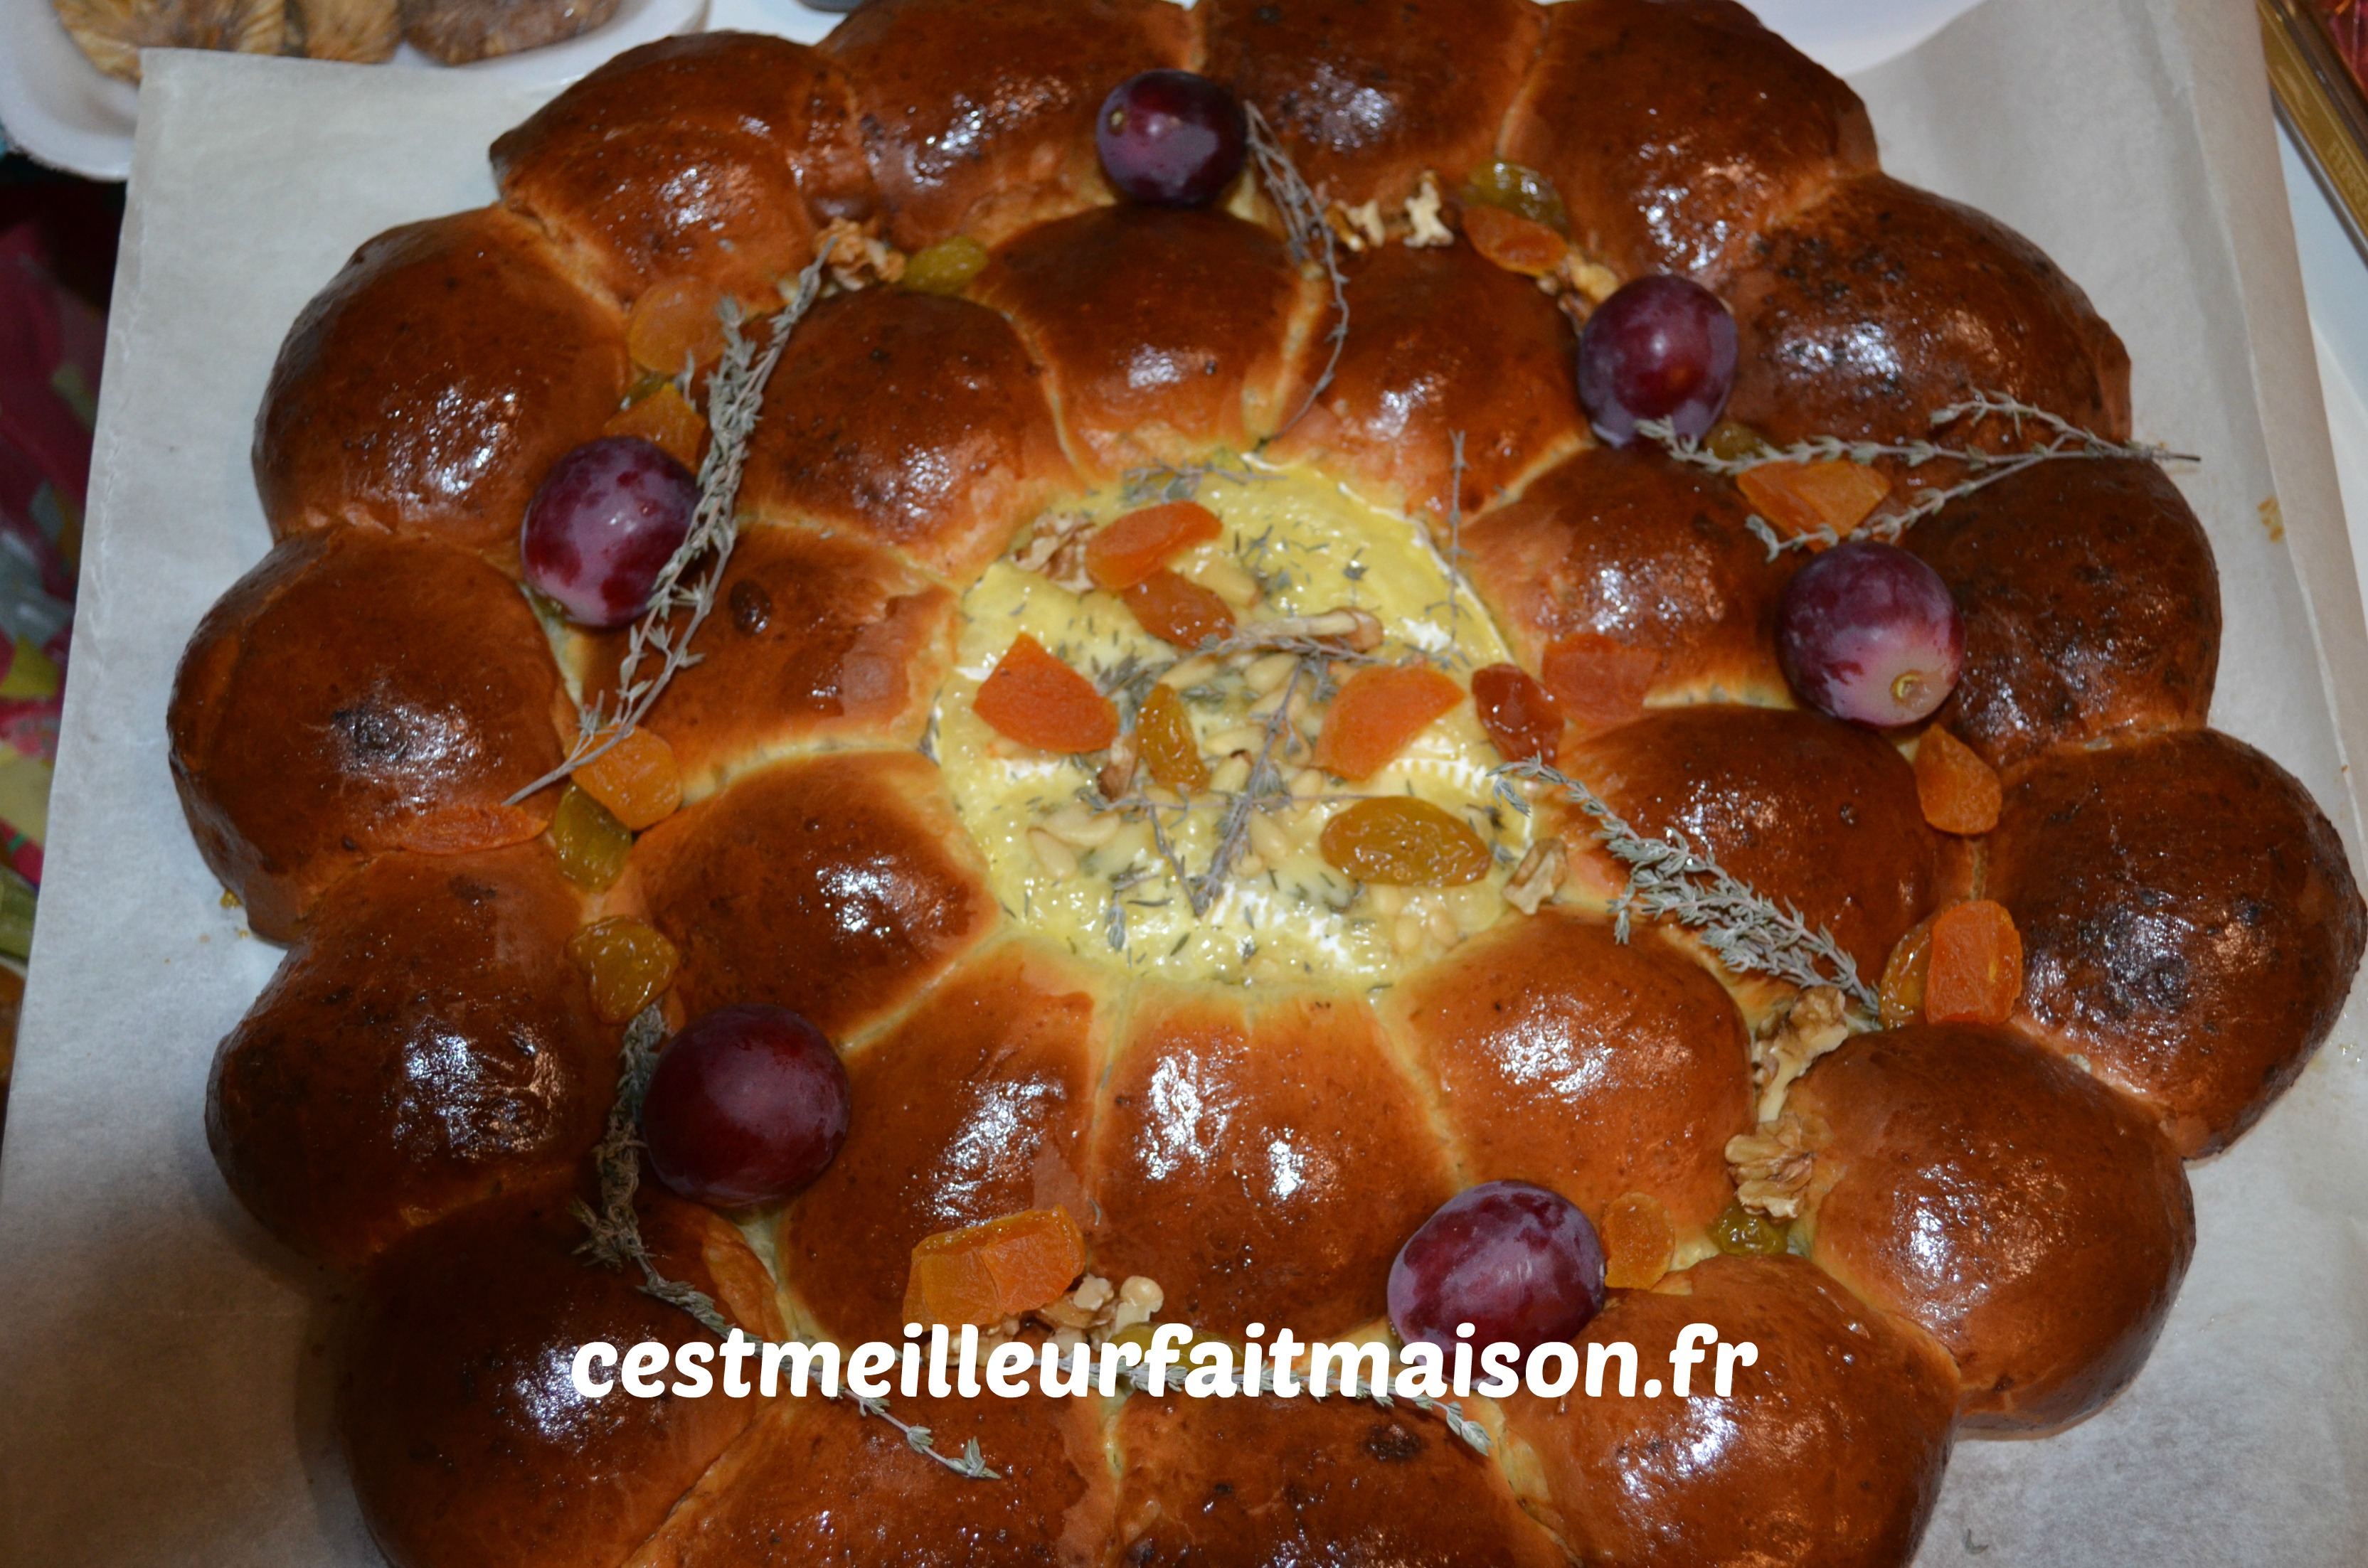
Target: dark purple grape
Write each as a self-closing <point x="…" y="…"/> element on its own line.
<point x="748" y="1104"/>
<point x="606" y="519"/>
<point x="1171" y="137"/>
<point x="1868" y="633"/>
<point x="1662" y="347"/>
<point x="1515" y="1261"/>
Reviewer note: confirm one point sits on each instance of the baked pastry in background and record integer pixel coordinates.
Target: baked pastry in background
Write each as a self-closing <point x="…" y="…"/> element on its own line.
<point x="111" y="33"/>
<point x="1245" y="1062"/>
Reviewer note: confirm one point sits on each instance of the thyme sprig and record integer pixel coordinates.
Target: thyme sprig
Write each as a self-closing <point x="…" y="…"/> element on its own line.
<point x="1265" y="783"/>
<point x="2062" y="440"/>
<point x="1309" y="235"/>
<point x="1170" y="482"/>
<point x="1748" y="932"/>
<point x="969" y="1463"/>
<point x="735" y="393"/>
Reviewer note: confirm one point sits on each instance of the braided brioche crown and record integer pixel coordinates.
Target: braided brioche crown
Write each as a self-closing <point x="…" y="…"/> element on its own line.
<point x="1992" y="1220"/>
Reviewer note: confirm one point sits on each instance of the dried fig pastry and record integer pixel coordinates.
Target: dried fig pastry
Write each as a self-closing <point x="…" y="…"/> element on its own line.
<point x="835" y="887"/>
<point x="689" y="160"/>
<point x="1440" y="344"/>
<point x="1261" y="1165"/>
<point x="973" y="1107"/>
<point x="2031" y="1218"/>
<point x="815" y="639"/>
<point x="1628" y="546"/>
<point x="355" y="693"/>
<point x="1882" y="304"/>
<point x="919" y="421"/>
<point x="2189" y="920"/>
<point x="1275" y="1481"/>
<point x="1591" y="1066"/>
<point x="1367" y="109"/>
<point x="454" y="32"/>
<point x="977" y="116"/>
<point x="1162" y="333"/>
<point x="1812" y="813"/>
<point x="364" y="31"/>
<point x="1648" y="1482"/>
<point x="469" y="1446"/>
<point x="111" y="33"/>
<point x="817" y="1482"/>
<point x="427" y="1047"/>
<point x="431" y="385"/>
<point x="2091" y="605"/>
<point x="1679" y="130"/>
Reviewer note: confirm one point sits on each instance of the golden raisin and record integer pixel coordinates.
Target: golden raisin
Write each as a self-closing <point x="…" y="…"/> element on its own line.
<point x="675" y="324"/>
<point x="591" y="844"/>
<point x="629" y="964"/>
<point x="1746" y="1232"/>
<point x="946" y="268"/>
<point x="1520" y="190"/>
<point x="1405" y="841"/>
<point x="1638" y="1242"/>
<point x="1163" y="736"/>
<point x="1901" y="996"/>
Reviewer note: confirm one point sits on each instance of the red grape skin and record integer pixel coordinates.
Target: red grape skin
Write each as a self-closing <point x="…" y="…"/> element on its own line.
<point x="748" y="1104"/>
<point x="1171" y="137"/>
<point x="604" y="523"/>
<point x="1517" y="1262"/>
<point x="1870" y="633"/>
<point x="1662" y="347"/>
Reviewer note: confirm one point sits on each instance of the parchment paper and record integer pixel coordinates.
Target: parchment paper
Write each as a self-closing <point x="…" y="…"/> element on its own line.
<point x="164" y="1391"/>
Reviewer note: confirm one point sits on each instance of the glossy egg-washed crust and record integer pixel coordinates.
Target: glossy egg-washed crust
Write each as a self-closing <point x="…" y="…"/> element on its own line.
<point x="1997" y="1219"/>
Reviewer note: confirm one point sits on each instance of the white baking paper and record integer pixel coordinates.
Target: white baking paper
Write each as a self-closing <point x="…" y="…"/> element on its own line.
<point x="163" y="1385"/>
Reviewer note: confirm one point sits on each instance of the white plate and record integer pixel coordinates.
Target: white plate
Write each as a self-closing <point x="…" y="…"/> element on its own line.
<point x="63" y="110"/>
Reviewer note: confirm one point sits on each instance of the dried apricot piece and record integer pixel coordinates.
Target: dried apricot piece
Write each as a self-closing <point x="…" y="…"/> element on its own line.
<point x="1514" y="243"/>
<point x="1598" y="683"/>
<point x="1976" y="972"/>
<point x="1377" y="712"/>
<point x="983" y="1274"/>
<point x="1132" y="548"/>
<point x="637" y="779"/>
<point x="1638" y="1242"/>
<point x="1520" y="716"/>
<point x="1405" y="841"/>
<point x="677" y="324"/>
<point x="666" y="419"/>
<point x="1959" y="792"/>
<point x="946" y="268"/>
<point x="1036" y="699"/>
<point x="1800" y="498"/>
<point x="457" y="830"/>
<point x="628" y="964"/>
<point x="591" y="844"/>
<point x="1178" y="611"/>
<point x="1900" y="998"/>
<point x="1163" y="735"/>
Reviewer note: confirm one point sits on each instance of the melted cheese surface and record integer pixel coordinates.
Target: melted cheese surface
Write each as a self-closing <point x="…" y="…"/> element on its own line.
<point x="1101" y="877"/>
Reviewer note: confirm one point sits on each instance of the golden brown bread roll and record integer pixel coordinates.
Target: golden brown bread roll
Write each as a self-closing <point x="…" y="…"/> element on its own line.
<point x="1270" y="1482"/>
<point x="681" y="159"/>
<point x="356" y="693"/>
<point x="427" y="1047"/>
<point x="1439" y="342"/>
<point x="816" y="1484"/>
<point x="1162" y="333"/>
<point x="1828" y="1453"/>
<point x="835" y="886"/>
<point x="434" y="381"/>
<point x="814" y="639"/>
<point x="1627" y="545"/>
<point x="1590" y="1066"/>
<point x="469" y="1446"/>
<point x="1679" y="131"/>
<point x="977" y="116"/>
<point x="1367" y="95"/>
<point x="974" y="1107"/>
<point x="2190" y="924"/>
<point x="916" y="420"/>
<point x="1258" y="1166"/>
<point x="2029" y="1218"/>
<point x="1882" y="304"/>
<point x="1811" y="812"/>
<point x="2091" y="605"/>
